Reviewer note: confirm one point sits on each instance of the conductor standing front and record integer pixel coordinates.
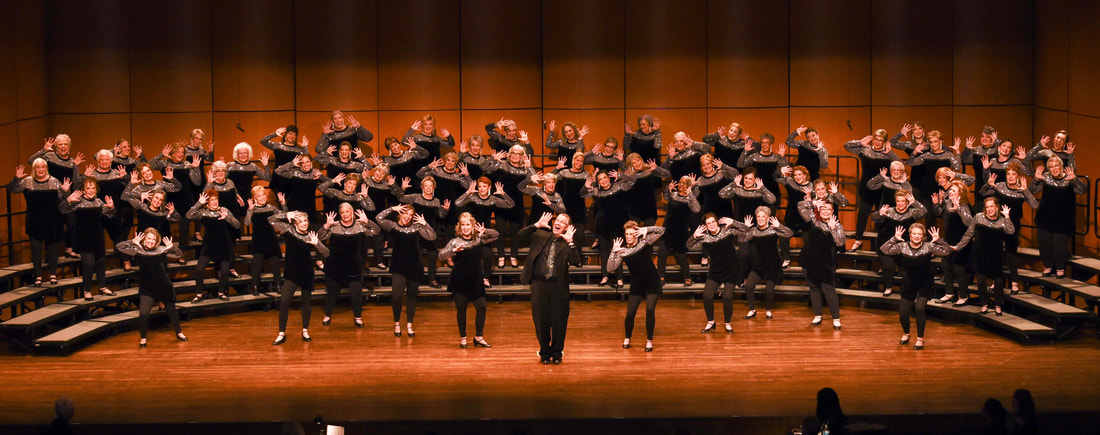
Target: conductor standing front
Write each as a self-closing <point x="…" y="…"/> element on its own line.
<point x="547" y="270"/>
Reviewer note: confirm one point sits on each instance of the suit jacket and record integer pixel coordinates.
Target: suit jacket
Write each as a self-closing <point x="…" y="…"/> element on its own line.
<point x="564" y="256"/>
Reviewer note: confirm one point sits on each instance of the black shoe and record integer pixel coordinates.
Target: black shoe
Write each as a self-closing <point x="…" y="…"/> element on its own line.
<point x="88" y="296"/>
<point x="255" y="290"/>
<point x="223" y="296"/>
<point x="481" y="343"/>
<point x="556" y="360"/>
<point x="396" y="331"/>
<point x="997" y="311"/>
<point x="462" y="344"/>
<point x="279" y="340"/>
<point x="919" y="345"/>
<point x="729" y="328"/>
<point x="710" y="327"/>
<point x="816" y="321"/>
<point x="752" y="313"/>
<point x="768" y="315"/>
<point x="358" y="323"/>
<point x="197" y="299"/>
<point x="435" y="284"/>
<point x="141" y="344"/>
<point x="1048" y="274"/>
<point x="181" y="337"/>
<point x="904" y="340"/>
<point x="306" y="337"/>
<point x="602" y="282"/>
<point x="326" y="321"/>
<point x="544" y="360"/>
<point x="649" y="347"/>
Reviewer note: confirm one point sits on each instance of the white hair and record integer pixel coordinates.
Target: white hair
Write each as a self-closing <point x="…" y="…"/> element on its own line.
<point x="63" y="136"/>
<point x="297" y="216"/>
<point x="104" y="151"/>
<point x="243" y="145"/>
<point x="220" y="164"/>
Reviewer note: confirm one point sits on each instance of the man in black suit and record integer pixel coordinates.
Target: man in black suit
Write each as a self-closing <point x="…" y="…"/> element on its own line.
<point x="547" y="270"/>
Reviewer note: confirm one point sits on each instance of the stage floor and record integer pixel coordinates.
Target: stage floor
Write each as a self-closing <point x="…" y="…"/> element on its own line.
<point x="229" y="372"/>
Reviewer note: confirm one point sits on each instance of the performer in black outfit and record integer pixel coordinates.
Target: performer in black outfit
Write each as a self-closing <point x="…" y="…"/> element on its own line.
<point x="423" y="132"/>
<point x="1014" y="193"/>
<point x="812" y="153"/>
<point x="989" y="230"/>
<point x="680" y="214"/>
<point x="340" y="129"/>
<point x="1060" y="147"/>
<point x="154" y="213"/>
<point x="646" y="141"/>
<point x="874" y="155"/>
<point x="111" y="181"/>
<point x="407" y="269"/>
<point x="346" y="236"/>
<point x="243" y="171"/>
<point x="300" y="181"/>
<point x="796" y="181"/>
<point x="228" y="194"/>
<point x="605" y="156"/>
<point x="300" y="244"/>
<point x="611" y="213"/>
<point x="90" y="212"/>
<point x="467" y="282"/>
<point x="265" y="242"/>
<point x="547" y="270"/>
<point x="642" y="203"/>
<point x="433" y="210"/>
<point x="728" y="143"/>
<point x="507" y="137"/>
<point x="767" y="161"/>
<point x="151" y="254"/>
<point x="172" y="164"/>
<point x="452" y="179"/>
<point x="482" y="203"/>
<point x="542" y="188"/>
<point x="749" y="194"/>
<point x="571" y="141"/>
<point x="823" y="238"/>
<point x="685" y="156"/>
<point x="906" y="210"/>
<point x="720" y="235"/>
<point x="510" y="169"/>
<point x="61" y="164"/>
<point x="383" y="191"/>
<point x="572" y="177"/>
<point x="954" y="208"/>
<point x="637" y="253"/>
<point x="1056" y="216"/>
<point x="285" y="150"/>
<point x="217" y="245"/>
<point x="916" y="271"/>
<point x="763" y="252"/>
<point x="43" y="194"/>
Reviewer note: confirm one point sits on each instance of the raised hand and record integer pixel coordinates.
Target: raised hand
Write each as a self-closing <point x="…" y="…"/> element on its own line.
<point x="620" y="154"/>
<point x="280" y="131"/>
<point x="210" y="146"/>
<point x="446" y="204"/>
<point x="773" y="221"/>
<point x="20" y="172"/>
<point x="472" y="188"/>
<point x="627" y="129"/>
<point x="562" y="163"/>
<point x="240" y="201"/>
<point x="905" y="129"/>
<point x="617" y="244"/>
<point x="109" y="202"/>
<point x="479" y="228"/>
<point x="937" y="197"/>
<point x="66" y="184"/>
<point x="898" y="232"/>
<point x="782" y="150"/>
<point x="834" y="187"/>
<point x="435" y="163"/>
<point x="78" y="159"/>
<point x="135" y="150"/>
<point x="786" y="171"/>
<point x="986" y="163"/>
<point x="544" y="220"/>
<point x="759" y="184"/>
<point x="326" y="127"/>
<point x="583" y="132"/>
<point x="223" y="213"/>
<point x="1070" y="173"/>
<point x="406" y="183"/>
<point x="1021" y="154"/>
<point x="882" y="210"/>
<point x="166" y="151"/>
<point x="170" y="208"/>
<point x="748" y="221"/>
<point x="281" y="197"/>
<point x="570" y="231"/>
<point x="464" y="147"/>
<point x="305" y="141"/>
<point x="464" y="169"/>
<point x="251" y="204"/>
<point x="656" y="123"/>
<point x="1070" y="147"/>
<point x="352" y="122"/>
<point x="419" y="218"/>
<point x="910" y="199"/>
<point x="1005" y="210"/>
<point x="330" y="219"/>
<point x="312" y="239"/>
<point x="331" y="150"/>
<point x="866" y="141"/>
<point x="613" y="174"/>
<point x="167" y="242"/>
<point x="970" y="142"/>
<point x="551" y="125"/>
<point x="196" y="161"/>
<point x="75" y="196"/>
<point x="1045" y="141"/>
<point x="415" y="125"/>
<point x="410" y="143"/>
<point x="884" y="172"/>
<point x="699" y="231"/>
<point x="523" y="136"/>
<point x="500" y="156"/>
<point x="499" y="188"/>
<point x="737" y="179"/>
<point x="834" y="222"/>
<point x="934" y="233"/>
<point x="992" y="180"/>
<point x="361" y="216"/>
<point x="443" y="132"/>
<point x="801" y="129"/>
<point x="47" y="144"/>
<point x="203" y="198"/>
<point x="722" y="130"/>
<point x="391" y="180"/>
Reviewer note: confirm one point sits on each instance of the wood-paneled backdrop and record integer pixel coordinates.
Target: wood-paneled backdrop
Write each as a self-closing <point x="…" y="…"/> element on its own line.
<point x="151" y="71"/>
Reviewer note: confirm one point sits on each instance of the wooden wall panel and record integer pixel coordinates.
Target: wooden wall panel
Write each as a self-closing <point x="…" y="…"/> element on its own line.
<point x="11" y="156"/>
<point x="830" y="53"/>
<point x="154" y="130"/>
<point x="418" y="55"/>
<point x="170" y="47"/>
<point x="256" y="125"/>
<point x="747" y="53"/>
<point x="993" y="46"/>
<point x="1052" y="53"/>
<point x="253" y="56"/>
<point x="32" y="131"/>
<point x="665" y="55"/>
<point x="1084" y="60"/>
<point x="8" y="79"/>
<point x="30" y="58"/>
<point x="1088" y="163"/>
<point x="91" y="133"/>
<point x="87" y="43"/>
<point x="911" y="54"/>
<point x="583" y="64"/>
<point x="501" y="58"/>
<point x="336" y="55"/>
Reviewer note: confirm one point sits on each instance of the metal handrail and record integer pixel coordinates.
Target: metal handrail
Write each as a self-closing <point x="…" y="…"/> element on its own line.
<point x="10" y="243"/>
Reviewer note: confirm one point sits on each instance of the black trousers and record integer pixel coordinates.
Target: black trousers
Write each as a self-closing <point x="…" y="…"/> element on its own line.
<point x="286" y="293"/>
<point x="200" y="272"/>
<point x="709" y="291"/>
<point x="906" y="308"/>
<point x="605" y="252"/>
<point x="510" y="230"/>
<point x="550" y="311"/>
<point x="258" y="267"/>
<point x="997" y="291"/>
<point x="404" y="288"/>
<point x="750" y="291"/>
<point x="863" y="212"/>
<point x="332" y="291"/>
<point x="956" y="279"/>
<point x="662" y="261"/>
<point x="145" y="307"/>
<point x="826" y="291"/>
<point x="1012" y="261"/>
<point x="632" y="304"/>
<point x="89" y="264"/>
<point x="461" y="302"/>
<point x="889" y="268"/>
<point x="1054" y="248"/>
<point x="52" y="249"/>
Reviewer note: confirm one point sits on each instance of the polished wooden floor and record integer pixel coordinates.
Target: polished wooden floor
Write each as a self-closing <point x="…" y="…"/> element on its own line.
<point x="230" y="372"/>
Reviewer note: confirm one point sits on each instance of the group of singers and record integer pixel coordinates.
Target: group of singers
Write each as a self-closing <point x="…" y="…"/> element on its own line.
<point x="466" y="208"/>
